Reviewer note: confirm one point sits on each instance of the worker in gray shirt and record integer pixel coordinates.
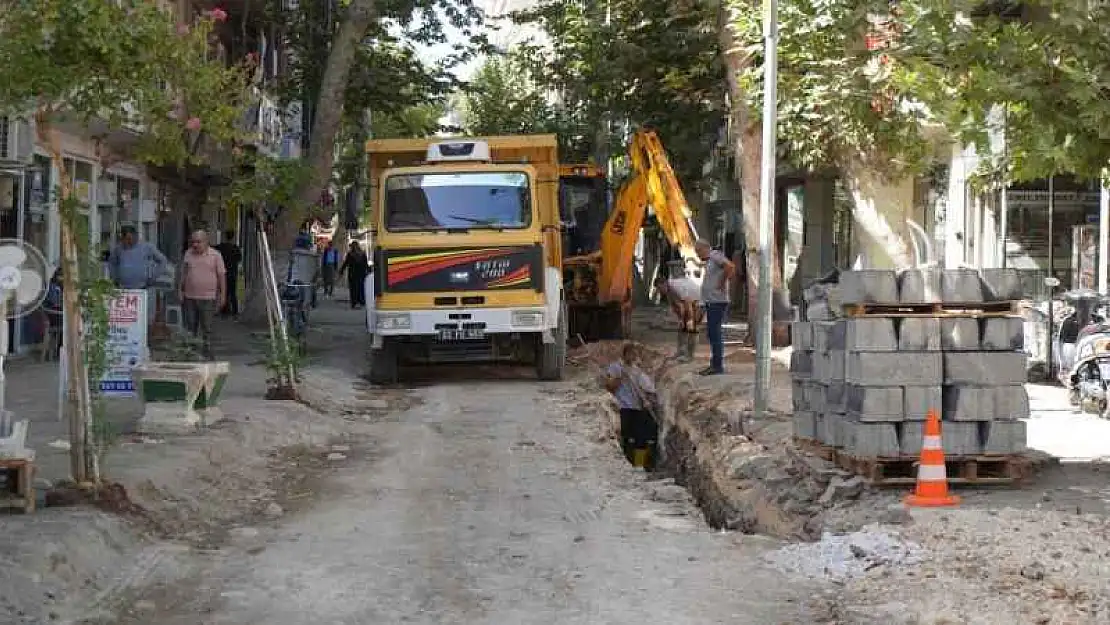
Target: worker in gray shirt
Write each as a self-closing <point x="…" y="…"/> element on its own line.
<point x="719" y="271"/>
<point x="135" y="264"/>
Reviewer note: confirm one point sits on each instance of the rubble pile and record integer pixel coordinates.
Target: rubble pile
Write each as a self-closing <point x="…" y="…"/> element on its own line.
<point x="880" y="349"/>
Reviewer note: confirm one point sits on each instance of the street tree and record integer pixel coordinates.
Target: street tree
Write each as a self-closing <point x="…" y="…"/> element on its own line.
<point x="99" y="67"/>
<point x="503" y="98"/>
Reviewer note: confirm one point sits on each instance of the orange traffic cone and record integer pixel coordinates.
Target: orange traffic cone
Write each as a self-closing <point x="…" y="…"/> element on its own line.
<point x="932" y="480"/>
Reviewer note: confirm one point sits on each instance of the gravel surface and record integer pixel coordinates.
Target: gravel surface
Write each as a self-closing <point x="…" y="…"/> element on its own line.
<point x="983" y="567"/>
<point x="845" y="556"/>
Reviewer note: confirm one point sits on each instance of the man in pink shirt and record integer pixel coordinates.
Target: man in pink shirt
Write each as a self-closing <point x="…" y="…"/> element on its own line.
<point x="202" y="288"/>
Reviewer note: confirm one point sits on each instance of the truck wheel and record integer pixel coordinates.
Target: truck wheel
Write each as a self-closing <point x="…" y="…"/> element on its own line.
<point x="384" y="364"/>
<point x="553" y="357"/>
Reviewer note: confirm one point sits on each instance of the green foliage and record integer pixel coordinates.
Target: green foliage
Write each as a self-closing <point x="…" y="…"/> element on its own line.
<point x="265" y="181"/>
<point x="118" y="66"/>
<point x="284" y="356"/>
<point x="1044" y="69"/>
<point x="637" y="63"/>
<point x="503" y="98"/>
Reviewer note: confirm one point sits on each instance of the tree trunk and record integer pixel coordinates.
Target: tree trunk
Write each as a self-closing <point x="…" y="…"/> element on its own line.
<point x="77" y="380"/>
<point x="329" y="114"/>
<point x="747" y="137"/>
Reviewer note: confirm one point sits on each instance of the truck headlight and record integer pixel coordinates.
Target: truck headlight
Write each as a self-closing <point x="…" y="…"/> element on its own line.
<point x="527" y="319"/>
<point x="394" y="321"/>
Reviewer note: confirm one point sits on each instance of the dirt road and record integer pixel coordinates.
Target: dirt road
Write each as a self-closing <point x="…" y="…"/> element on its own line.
<point x="486" y="503"/>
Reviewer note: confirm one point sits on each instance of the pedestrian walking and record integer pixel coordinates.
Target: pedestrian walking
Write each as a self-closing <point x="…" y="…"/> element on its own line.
<point x="135" y="264"/>
<point x="685" y="302"/>
<point x="329" y="268"/>
<point x="719" y="270"/>
<point x="202" y="289"/>
<point x="233" y="256"/>
<point x="637" y="400"/>
<point x="357" y="267"/>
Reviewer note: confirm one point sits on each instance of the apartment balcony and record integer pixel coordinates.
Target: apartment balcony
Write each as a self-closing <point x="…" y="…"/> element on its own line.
<point x="271" y="130"/>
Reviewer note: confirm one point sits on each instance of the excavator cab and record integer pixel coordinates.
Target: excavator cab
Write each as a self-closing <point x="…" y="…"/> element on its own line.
<point x="583" y="207"/>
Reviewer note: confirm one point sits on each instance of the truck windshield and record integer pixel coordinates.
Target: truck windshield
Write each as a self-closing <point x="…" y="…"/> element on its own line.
<point x="466" y="200"/>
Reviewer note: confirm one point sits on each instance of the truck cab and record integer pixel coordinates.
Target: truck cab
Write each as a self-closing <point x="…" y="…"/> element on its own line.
<point x="467" y="254"/>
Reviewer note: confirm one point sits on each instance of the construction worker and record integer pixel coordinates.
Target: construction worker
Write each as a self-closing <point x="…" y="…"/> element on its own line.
<point x="682" y="295"/>
<point x="636" y="396"/>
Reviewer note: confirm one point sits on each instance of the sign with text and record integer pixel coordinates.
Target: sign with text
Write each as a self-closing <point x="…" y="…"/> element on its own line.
<point x="127" y="341"/>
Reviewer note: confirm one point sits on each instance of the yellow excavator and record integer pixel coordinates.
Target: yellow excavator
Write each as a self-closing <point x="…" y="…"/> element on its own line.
<point x="598" y="280"/>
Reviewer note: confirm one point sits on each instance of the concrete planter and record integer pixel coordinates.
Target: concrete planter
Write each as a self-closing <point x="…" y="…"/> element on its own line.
<point x="208" y="400"/>
<point x="170" y="392"/>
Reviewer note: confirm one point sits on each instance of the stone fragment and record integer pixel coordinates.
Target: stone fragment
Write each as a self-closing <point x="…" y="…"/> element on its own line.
<point x="840" y="489"/>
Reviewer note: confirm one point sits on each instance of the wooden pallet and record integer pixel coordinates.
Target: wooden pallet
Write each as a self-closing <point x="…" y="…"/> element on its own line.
<point x="984" y="309"/>
<point x="20" y="476"/>
<point x="961" y="470"/>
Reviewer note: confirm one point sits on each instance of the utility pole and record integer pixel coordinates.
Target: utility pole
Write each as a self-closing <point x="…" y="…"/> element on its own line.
<point x="766" y="207"/>
<point x="1103" y="233"/>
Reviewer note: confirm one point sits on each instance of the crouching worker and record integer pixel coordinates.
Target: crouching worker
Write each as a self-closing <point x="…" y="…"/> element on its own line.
<point x="635" y="394"/>
<point x="683" y="296"/>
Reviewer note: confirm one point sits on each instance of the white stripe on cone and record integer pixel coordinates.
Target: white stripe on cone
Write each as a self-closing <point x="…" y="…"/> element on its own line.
<point x="931" y="473"/>
<point x="931" y="442"/>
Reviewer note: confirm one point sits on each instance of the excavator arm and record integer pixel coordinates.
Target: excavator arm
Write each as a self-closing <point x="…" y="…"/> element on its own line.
<point x="653" y="184"/>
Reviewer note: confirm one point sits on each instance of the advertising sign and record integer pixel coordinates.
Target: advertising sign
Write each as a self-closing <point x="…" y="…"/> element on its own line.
<point x="127" y="341"/>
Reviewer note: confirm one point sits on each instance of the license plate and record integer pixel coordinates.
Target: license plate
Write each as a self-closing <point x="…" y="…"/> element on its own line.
<point x="465" y="334"/>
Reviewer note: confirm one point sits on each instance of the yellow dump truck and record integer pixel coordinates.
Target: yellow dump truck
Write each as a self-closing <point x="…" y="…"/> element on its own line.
<point x="467" y="253"/>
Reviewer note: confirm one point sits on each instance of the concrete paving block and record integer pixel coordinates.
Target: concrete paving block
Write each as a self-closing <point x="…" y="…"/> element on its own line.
<point x="801" y="335"/>
<point x="838" y="336"/>
<point x="827" y="432"/>
<point x="1004" y="334"/>
<point x="835" y="396"/>
<point x="919" y="334"/>
<point x="801" y="364"/>
<point x="895" y="368"/>
<point x="815" y="394"/>
<point x="874" y="403"/>
<point x="805" y="424"/>
<point x="959" y="438"/>
<point x="1011" y="402"/>
<point x="872" y="286"/>
<point x="869" y="334"/>
<point x="822" y="331"/>
<point x="919" y="400"/>
<point x="984" y="368"/>
<point x="961" y="286"/>
<point x="1003" y="437"/>
<point x="872" y="440"/>
<point x="838" y="364"/>
<point x="919" y="286"/>
<point x="968" y="403"/>
<point x="843" y="431"/>
<point x="798" y="394"/>
<point x="959" y="334"/>
<point x="819" y="311"/>
<point x="821" y="371"/>
<point x="1001" y="285"/>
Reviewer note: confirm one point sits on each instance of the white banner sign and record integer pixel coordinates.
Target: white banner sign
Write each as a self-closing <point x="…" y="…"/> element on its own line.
<point x="127" y="341"/>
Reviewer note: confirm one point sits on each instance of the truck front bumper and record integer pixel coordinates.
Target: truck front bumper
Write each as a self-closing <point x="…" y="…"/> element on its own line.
<point x="447" y="322"/>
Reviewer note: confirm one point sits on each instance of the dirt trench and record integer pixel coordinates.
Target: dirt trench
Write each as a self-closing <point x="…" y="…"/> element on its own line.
<point x="755" y="482"/>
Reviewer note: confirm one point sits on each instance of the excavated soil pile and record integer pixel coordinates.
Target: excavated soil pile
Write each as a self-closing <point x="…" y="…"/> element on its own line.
<point x="745" y="475"/>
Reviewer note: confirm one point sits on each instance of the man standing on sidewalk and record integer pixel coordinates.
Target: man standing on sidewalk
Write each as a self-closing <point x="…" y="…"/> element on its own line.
<point x="203" y="288"/>
<point x="135" y="264"/>
<point x="329" y="268"/>
<point x="715" y="293"/>
<point x="232" y="256"/>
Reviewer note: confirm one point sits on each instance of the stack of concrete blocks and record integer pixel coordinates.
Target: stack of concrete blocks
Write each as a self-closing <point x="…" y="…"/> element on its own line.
<point x="865" y="384"/>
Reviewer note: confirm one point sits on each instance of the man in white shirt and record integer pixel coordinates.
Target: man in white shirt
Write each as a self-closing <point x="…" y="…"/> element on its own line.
<point x="685" y="301"/>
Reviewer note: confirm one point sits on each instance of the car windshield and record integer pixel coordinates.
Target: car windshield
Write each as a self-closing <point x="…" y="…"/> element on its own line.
<point x="466" y="200"/>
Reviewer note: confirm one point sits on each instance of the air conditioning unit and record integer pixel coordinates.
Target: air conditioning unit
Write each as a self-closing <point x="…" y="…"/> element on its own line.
<point x="17" y="141"/>
<point x="458" y="151"/>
